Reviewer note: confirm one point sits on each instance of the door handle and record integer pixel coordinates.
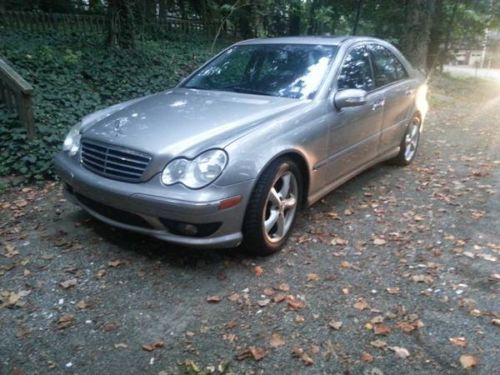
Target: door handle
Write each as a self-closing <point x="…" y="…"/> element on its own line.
<point x="378" y="104"/>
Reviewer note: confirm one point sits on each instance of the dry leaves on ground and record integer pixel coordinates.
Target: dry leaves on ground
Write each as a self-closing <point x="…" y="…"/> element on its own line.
<point x="276" y="340"/>
<point x="458" y="341"/>
<point x="153" y="346"/>
<point x="65" y="321"/>
<point x="303" y="356"/>
<point x="251" y="352"/>
<point x="468" y="361"/>
<point x="68" y="283"/>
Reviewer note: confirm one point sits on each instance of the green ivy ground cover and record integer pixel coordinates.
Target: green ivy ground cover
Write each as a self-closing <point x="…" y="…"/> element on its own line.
<point x="73" y="76"/>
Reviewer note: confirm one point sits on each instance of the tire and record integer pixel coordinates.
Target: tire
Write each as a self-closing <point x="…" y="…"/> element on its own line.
<point x="409" y="144"/>
<point x="272" y="208"/>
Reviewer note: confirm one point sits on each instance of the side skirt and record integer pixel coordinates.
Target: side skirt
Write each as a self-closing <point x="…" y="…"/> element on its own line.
<point x="335" y="184"/>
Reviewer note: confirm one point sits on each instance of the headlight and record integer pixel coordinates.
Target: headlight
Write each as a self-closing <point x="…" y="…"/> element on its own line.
<point x="72" y="142"/>
<point x="195" y="173"/>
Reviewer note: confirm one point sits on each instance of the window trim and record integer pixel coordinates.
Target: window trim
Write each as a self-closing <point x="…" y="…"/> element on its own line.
<point x="335" y="85"/>
<point x="397" y="59"/>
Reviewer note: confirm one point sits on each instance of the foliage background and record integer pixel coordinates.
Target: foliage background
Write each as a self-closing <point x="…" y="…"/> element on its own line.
<point x="74" y="74"/>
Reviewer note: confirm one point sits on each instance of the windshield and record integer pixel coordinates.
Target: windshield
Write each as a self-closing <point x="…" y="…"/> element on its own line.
<point x="287" y="70"/>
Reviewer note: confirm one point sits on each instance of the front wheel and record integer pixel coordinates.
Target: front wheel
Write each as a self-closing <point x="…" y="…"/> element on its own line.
<point x="409" y="144"/>
<point x="272" y="208"/>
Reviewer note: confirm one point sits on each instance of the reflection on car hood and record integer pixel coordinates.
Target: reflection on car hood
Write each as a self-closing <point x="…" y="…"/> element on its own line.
<point x="186" y="122"/>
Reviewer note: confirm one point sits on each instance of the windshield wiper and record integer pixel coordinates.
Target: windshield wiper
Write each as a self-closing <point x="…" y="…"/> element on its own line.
<point x="245" y="90"/>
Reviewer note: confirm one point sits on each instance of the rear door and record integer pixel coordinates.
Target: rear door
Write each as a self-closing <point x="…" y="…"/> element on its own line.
<point x="391" y="76"/>
<point x="354" y="132"/>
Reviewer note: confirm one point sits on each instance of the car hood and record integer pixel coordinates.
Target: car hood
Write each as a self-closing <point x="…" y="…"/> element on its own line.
<point x="185" y="121"/>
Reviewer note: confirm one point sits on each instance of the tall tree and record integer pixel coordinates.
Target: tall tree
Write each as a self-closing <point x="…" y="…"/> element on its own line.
<point x="416" y="34"/>
<point x="121" y="26"/>
<point x="358" y="15"/>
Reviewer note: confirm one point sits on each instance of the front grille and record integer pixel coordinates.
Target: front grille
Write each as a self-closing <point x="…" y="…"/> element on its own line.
<point x="113" y="213"/>
<point x="114" y="162"/>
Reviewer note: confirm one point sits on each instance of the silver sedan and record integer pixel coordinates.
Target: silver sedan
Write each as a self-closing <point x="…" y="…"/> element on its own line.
<point x="262" y="129"/>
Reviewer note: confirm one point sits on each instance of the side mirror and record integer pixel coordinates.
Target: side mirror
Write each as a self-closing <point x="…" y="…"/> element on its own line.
<point x="349" y="98"/>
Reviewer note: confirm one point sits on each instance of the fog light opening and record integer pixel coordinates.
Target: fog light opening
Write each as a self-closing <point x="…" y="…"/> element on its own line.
<point x="187" y="229"/>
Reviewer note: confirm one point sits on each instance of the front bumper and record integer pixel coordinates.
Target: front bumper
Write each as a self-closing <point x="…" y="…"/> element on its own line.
<point x="151" y="208"/>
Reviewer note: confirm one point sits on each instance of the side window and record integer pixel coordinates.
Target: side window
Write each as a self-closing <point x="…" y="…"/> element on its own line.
<point x="386" y="67"/>
<point x="356" y="71"/>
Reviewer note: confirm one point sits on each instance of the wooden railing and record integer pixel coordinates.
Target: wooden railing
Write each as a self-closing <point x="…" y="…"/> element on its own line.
<point x="16" y="93"/>
<point x="68" y="23"/>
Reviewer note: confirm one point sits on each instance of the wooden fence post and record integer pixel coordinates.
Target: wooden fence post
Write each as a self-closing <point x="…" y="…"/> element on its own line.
<point x="17" y="95"/>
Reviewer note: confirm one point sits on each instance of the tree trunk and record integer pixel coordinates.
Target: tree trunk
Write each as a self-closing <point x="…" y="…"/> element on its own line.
<point x="436" y="35"/>
<point x="449" y="27"/>
<point x="415" y="38"/>
<point x="121" y="32"/>
<point x="358" y="15"/>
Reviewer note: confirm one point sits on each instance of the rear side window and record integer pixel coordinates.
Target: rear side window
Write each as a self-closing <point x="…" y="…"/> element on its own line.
<point x="356" y="71"/>
<point x="386" y="67"/>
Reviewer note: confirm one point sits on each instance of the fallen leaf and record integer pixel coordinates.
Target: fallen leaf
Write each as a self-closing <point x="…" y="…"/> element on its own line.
<point x="276" y="340"/>
<point x="100" y="274"/>
<point x="233" y="297"/>
<point x="283" y="287"/>
<point x="378" y="344"/>
<point x="423" y="279"/>
<point x="255" y="352"/>
<point x="69" y="283"/>
<point x="294" y="303"/>
<point x="312" y="277"/>
<point x="336" y="325"/>
<point x="361" y="304"/>
<point x="65" y="321"/>
<point x="468" y="361"/>
<point x="300" y="319"/>
<point x="345" y="264"/>
<point x="366" y="357"/>
<point x="116" y="263"/>
<point x="110" y="326"/>
<point x="458" y="341"/>
<point x="263" y="302"/>
<point x="379" y="241"/>
<point x="258" y="271"/>
<point x="394" y="290"/>
<point x="10" y="251"/>
<point x="303" y="356"/>
<point x="495" y="322"/>
<point x="279" y="298"/>
<point x="381" y="329"/>
<point x="400" y="352"/>
<point x="121" y="345"/>
<point x="153" y="346"/>
<point x="348" y="212"/>
<point x="84" y="304"/>
<point x="268" y="292"/>
<point x="406" y="327"/>
<point x="214" y="299"/>
<point x="339" y="241"/>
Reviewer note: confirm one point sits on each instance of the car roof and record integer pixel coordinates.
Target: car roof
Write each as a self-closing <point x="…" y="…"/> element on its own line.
<point x="309" y="39"/>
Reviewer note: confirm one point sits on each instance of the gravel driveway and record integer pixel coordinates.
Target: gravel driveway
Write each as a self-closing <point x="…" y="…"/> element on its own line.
<point x="396" y="272"/>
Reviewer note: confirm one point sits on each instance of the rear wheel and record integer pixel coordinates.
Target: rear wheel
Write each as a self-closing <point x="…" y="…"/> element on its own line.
<point x="409" y="144"/>
<point x="273" y="207"/>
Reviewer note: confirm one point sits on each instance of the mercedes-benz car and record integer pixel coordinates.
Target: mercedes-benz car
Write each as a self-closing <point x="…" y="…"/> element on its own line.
<point x="231" y="154"/>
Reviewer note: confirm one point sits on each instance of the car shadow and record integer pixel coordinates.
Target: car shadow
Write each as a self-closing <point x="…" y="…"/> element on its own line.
<point x="135" y="244"/>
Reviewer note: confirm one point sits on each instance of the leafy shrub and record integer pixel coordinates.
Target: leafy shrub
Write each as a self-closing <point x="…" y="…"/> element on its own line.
<point x="73" y="76"/>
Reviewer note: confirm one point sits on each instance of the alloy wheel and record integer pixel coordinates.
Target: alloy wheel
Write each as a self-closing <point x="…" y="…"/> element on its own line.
<point x="411" y="140"/>
<point x="281" y="206"/>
